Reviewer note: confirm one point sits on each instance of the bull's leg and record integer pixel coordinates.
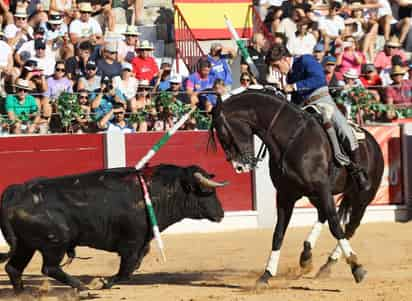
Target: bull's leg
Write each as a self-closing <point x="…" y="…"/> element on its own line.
<point x="129" y="262"/>
<point x="51" y="267"/>
<point x="284" y="212"/>
<point x="17" y="264"/>
<point x="328" y="207"/>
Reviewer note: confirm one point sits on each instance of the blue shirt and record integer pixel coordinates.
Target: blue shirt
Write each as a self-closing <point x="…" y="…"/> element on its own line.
<point x="308" y="75"/>
<point x="220" y="69"/>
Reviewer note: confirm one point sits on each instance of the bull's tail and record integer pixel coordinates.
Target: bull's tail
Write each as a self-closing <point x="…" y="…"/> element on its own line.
<point x="5" y="224"/>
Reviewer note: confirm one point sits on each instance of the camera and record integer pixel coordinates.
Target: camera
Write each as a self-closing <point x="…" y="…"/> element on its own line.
<point x="108" y="84"/>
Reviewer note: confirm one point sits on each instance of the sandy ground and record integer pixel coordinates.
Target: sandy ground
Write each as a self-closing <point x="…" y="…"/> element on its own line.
<point x="225" y="266"/>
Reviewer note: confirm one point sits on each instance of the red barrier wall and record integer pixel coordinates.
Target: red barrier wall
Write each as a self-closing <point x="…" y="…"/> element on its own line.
<point x="187" y="148"/>
<point x="23" y="158"/>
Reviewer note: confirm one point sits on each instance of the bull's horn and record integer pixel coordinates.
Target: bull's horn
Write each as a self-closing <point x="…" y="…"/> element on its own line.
<point x="208" y="182"/>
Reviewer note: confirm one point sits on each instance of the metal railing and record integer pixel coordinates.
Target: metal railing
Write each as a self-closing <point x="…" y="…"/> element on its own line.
<point x="187" y="47"/>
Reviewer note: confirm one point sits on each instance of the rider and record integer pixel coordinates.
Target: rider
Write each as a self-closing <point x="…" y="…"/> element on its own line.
<point x="306" y="81"/>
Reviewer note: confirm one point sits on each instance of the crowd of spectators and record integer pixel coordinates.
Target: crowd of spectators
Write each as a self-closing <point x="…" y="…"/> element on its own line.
<point x="61" y="70"/>
<point x="361" y="45"/>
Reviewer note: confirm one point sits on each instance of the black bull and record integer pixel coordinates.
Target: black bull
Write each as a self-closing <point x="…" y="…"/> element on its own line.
<point x="301" y="164"/>
<point x="103" y="210"/>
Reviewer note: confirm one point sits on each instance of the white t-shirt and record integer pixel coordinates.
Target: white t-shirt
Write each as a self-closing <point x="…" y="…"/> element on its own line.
<point x="46" y="64"/>
<point x="123" y="49"/>
<point x="301" y="45"/>
<point x="10" y="32"/>
<point x="128" y="88"/>
<point x="288" y="27"/>
<point x="5" y="51"/>
<point x="332" y="27"/>
<point x="85" y="29"/>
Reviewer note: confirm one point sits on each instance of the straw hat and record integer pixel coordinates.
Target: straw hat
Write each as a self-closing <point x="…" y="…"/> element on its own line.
<point x="145" y="45"/>
<point x="85" y="7"/>
<point x="131" y="31"/>
<point x="397" y="70"/>
<point x="351" y="73"/>
<point x="393" y="42"/>
<point x="21" y="12"/>
<point x="22" y="84"/>
<point x="356" y="5"/>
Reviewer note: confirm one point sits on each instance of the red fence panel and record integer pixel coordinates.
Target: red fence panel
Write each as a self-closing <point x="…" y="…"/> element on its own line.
<point x="25" y="157"/>
<point x="187" y="148"/>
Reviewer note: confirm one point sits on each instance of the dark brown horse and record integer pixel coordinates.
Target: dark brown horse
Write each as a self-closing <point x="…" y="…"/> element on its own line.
<point x="301" y="164"/>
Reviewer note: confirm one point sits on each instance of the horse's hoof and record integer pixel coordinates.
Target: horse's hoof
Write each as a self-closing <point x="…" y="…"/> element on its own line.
<point x="306" y="268"/>
<point x="306" y="255"/>
<point x="359" y="273"/>
<point x="263" y="282"/>
<point x="97" y="284"/>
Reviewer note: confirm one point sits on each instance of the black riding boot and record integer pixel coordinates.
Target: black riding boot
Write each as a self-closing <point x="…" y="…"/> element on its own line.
<point x="357" y="172"/>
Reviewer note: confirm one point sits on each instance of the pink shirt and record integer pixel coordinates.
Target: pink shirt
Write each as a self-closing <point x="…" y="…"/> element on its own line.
<point x="400" y="94"/>
<point x="349" y="62"/>
<point x="383" y="61"/>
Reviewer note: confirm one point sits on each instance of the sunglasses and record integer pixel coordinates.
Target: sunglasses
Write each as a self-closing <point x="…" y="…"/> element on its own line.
<point x="85" y="12"/>
<point x="60" y="70"/>
<point x="245" y="79"/>
<point x="90" y="68"/>
<point x="21" y="18"/>
<point x="20" y="90"/>
<point x="83" y="97"/>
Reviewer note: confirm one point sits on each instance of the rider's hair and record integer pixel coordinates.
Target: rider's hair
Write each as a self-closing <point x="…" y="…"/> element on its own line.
<point x="277" y="53"/>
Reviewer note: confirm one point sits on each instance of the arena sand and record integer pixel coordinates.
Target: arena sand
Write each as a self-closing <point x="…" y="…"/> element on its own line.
<point x="224" y="266"/>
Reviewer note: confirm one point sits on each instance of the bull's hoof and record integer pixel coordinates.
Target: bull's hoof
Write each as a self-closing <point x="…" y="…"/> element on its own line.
<point x="326" y="269"/>
<point x="263" y="282"/>
<point x="97" y="284"/>
<point x="358" y="273"/>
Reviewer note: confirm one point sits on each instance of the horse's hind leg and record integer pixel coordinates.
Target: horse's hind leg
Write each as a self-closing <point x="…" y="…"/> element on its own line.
<point x="328" y="206"/>
<point x="17" y="264"/>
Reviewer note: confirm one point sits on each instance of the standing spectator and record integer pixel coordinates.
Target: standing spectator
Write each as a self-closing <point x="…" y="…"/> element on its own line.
<point x="392" y="47"/>
<point x="161" y="81"/>
<point x="218" y="58"/>
<point x="126" y="84"/>
<point x="108" y="65"/>
<point x="115" y="121"/>
<point x="22" y="109"/>
<point x="44" y="62"/>
<point x="350" y="57"/>
<point x="85" y="28"/>
<point x="257" y="53"/>
<point x="144" y="65"/>
<point x="76" y="65"/>
<point x="303" y="41"/>
<point x="58" y="83"/>
<point x="20" y="31"/>
<point x="332" y="25"/>
<point x="91" y="82"/>
<point x="127" y="48"/>
<point x="199" y="81"/>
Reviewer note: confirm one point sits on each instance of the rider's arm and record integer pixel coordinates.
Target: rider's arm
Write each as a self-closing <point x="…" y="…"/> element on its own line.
<point x="315" y="76"/>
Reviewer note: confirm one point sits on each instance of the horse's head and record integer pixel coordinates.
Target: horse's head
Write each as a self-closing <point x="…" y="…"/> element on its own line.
<point x="235" y="136"/>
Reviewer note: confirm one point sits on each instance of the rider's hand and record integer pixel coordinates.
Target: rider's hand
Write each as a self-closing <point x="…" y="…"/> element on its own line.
<point x="289" y="88"/>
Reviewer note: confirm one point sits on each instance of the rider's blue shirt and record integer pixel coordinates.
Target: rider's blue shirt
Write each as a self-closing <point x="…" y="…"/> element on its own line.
<point x="308" y="75"/>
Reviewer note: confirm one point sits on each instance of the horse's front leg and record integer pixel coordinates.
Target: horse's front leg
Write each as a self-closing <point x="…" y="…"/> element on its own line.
<point x="284" y="212"/>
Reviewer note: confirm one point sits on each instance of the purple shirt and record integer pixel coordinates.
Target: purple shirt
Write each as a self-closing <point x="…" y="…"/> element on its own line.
<point x="57" y="86"/>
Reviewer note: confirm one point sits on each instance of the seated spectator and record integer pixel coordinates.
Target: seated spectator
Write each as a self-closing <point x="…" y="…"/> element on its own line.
<point x="58" y="83"/>
<point x="288" y="24"/>
<point x="370" y="78"/>
<point x="161" y="81"/>
<point x="350" y="57"/>
<point x="105" y="99"/>
<point x="7" y="71"/>
<point x="303" y="41"/>
<point x="319" y="52"/>
<point x="392" y="47"/>
<point x="115" y="121"/>
<point x="27" y="51"/>
<point x="44" y="62"/>
<point x="108" y="65"/>
<point x="400" y="92"/>
<point x="127" y="49"/>
<point x="126" y="84"/>
<point x="209" y="101"/>
<point x="176" y="86"/>
<point x="143" y="104"/>
<point x="57" y="36"/>
<point x="22" y="109"/>
<point x="332" y="25"/>
<point x="199" y="81"/>
<point x="144" y="65"/>
<point x="245" y="79"/>
<point x="20" y="31"/>
<point x="91" y="82"/>
<point x="85" y="28"/>
<point x="257" y="51"/>
<point x="218" y="58"/>
<point x="83" y="121"/>
<point x="66" y="8"/>
<point x="329" y="67"/>
<point x="385" y="74"/>
<point x="76" y="65"/>
<point x="103" y="14"/>
<point x="350" y="80"/>
<point x="272" y="19"/>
